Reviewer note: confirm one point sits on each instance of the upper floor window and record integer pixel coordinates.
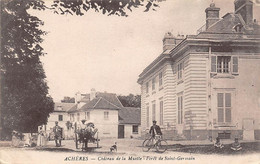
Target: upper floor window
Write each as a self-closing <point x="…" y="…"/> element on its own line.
<point x="147" y="87"/>
<point x="87" y="115"/>
<point x="60" y="117"/>
<point x="224" y="64"/>
<point x="160" y="79"/>
<point x="72" y="118"/>
<point x="78" y="116"/>
<point x="153" y="84"/>
<point x="180" y="70"/>
<point x="106" y="115"/>
<point x="154" y="111"/>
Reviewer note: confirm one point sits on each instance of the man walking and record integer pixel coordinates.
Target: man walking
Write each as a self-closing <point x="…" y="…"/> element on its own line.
<point x="57" y="134"/>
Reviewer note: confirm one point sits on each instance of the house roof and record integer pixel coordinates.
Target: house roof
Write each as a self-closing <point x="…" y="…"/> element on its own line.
<point x="73" y="109"/>
<point x="63" y="107"/>
<point x="129" y="115"/>
<point x="103" y="101"/>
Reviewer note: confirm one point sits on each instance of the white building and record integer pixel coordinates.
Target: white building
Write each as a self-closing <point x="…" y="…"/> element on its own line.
<point x="207" y="85"/>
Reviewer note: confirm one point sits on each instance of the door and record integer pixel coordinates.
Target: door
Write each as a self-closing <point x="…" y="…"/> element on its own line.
<point x="248" y="129"/>
<point x="121" y="131"/>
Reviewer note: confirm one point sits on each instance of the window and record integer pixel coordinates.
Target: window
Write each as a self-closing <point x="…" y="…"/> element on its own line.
<point x="60" y="117"/>
<point x="180" y="109"/>
<point x="224" y="64"/>
<point x="224" y="107"/>
<point x="180" y="70"/>
<point x="147" y="87"/>
<point x="160" y="79"/>
<point x="72" y="118"/>
<point x="78" y="116"/>
<point x="153" y="111"/>
<point x="161" y="112"/>
<point x="106" y="115"/>
<point x="135" y="129"/>
<point x="147" y="116"/>
<point x="153" y="84"/>
<point x="87" y="115"/>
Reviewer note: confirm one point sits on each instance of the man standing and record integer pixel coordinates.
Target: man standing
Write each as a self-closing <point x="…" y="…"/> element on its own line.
<point x="57" y="134"/>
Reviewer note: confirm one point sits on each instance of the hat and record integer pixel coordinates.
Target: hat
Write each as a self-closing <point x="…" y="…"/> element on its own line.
<point x="154" y="121"/>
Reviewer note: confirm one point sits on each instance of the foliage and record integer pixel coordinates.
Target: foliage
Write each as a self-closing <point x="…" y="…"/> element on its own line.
<point x="130" y="100"/>
<point x="109" y="7"/>
<point x="24" y="95"/>
<point x="67" y="99"/>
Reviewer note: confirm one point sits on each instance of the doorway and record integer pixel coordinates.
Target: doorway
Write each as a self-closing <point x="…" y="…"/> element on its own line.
<point x="121" y="131"/>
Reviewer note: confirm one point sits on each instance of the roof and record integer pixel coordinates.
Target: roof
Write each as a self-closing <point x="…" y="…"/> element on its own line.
<point x="103" y="101"/>
<point x="227" y="24"/>
<point x="129" y="115"/>
<point x="221" y="31"/>
<point x="63" y="107"/>
<point x="72" y="109"/>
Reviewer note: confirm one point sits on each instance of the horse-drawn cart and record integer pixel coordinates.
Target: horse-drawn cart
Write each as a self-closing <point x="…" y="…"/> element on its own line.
<point x="84" y="135"/>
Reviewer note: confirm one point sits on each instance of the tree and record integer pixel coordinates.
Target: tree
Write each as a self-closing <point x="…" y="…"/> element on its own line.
<point x="67" y="99"/>
<point x="130" y="100"/>
<point x="24" y="92"/>
<point x="25" y="102"/>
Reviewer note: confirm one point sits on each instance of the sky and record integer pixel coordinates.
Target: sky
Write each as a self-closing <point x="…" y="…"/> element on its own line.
<point x="109" y="52"/>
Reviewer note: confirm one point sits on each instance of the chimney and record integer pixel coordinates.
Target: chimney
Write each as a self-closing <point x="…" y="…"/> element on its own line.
<point x="169" y="41"/>
<point x="92" y="94"/>
<point x="245" y="9"/>
<point x="212" y="15"/>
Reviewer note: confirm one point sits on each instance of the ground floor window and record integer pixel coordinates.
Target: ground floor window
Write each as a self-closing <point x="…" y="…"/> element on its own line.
<point x="180" y="109"/>
<point x="224" y="107"/>
<point x="60" y="117"/>
<point x="147" y="116"/>
<point x="135" y="129"/>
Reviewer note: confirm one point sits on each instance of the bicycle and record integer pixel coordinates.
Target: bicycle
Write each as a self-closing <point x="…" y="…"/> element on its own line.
<point x="161" y="145"/>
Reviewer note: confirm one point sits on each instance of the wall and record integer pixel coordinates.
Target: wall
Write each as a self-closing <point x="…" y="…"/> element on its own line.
<point x="55" y="117"/>
<point x="129" y="131"/>
<point x="106" y="128"/>
<point x="245" y="88"/>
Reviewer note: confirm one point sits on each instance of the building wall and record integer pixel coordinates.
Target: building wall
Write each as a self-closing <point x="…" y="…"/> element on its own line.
<point x="195" y="92"/>
<point x="155" y="96"/>
<point x="245" y="92"/>
<point x="106" y="127"/>
<point x="55" y="117"/>
<point x="129" y="131"/>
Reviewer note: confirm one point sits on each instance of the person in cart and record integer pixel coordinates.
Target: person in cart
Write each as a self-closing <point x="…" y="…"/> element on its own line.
<point x="90" y="127"/>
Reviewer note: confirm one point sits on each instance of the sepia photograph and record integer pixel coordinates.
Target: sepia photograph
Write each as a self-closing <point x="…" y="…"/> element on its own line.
<point x="130" y="81"/>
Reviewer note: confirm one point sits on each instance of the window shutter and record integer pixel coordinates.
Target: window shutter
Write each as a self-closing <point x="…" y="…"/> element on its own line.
<point x="220" y="115"/>
<point x="234" y="67"/>
<point x="214" y="64"/>
<point x="228" y="115"/>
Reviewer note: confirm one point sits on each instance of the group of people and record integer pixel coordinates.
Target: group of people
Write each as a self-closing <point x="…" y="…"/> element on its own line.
<point x="235" y="145"/>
